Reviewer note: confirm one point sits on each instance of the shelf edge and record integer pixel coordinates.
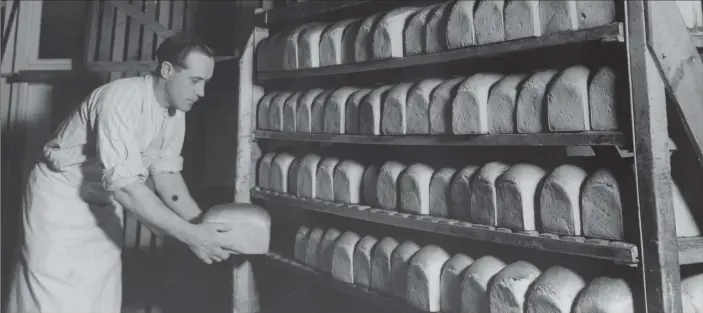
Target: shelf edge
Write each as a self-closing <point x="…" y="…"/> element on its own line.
<point x="619" y="252"/>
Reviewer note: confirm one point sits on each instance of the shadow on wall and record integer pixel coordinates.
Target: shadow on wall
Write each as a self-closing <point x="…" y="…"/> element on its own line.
<point x="67" y="94"/>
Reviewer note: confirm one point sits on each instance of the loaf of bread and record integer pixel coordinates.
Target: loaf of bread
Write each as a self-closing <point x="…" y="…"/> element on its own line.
<point x="292" y="48"/>
<point x="424" y="287"/>
<point x="364" y="37"/>
<point x="335" y="109"/>
<point x="522" y="19"/>
<point x="293" y="171"/>
<point x="278" y="179"/>
<point x="309" y="45"/>
<point x="470" y="106"/>
<point x="304" y="110"/>
<point x="381" y="264"/>
<point x="312" y="255"/>
<point x="387" y="190"/>
<point x="317" y="112"/>
<point x="691" y="293"/>
<point x="686" y="223"/>
<point x="477" y="279"/>
<point x="502" y="104"/>
<point x="601" y="206"/>
<point x="601" y="98"/>
<point x="301" y="243"/>
<point x="352" y="114"/>
<point x="362" y="260"/>
<point x="560" y="210"/>
<point x="558" y="16"/>
<point x="460" y="24"/>
<point x="349" y="41"/>
<point x="325" y="178"/>
<point x="489" y="23"/>
<point x="532" y="102"/>
<point x="508" y="290"/>
<point x="595" y="13"/>
<point x="441" y="106"/>
<point x="484" y="208"/>
<point x="414" y="33"/>
<point x="567" y="100"/>
<point x="436" y="28"/>
<point x="368" y="185"/>
<point x="343" y="257"/>
<point x="265" y="170"/>
<point x="450" y="280"/>
<point x="250" y="226"/>
<point x="331" y="45"/>
<point x="262" y="110"/>
<point x="418" y="106"/>
<point x="400" y="264"/>
<point x="347" y="181"/>
<point x="387" y="34"/>
<point x="307" y="176"/>
<point x="289" y="111"/>
<point x="415" y="189"/>
<point x="554" y="291"/>
<point x="264" y="54"/>
<point x="370" y="111"/>
<point x="516" y="191"/>
<point x="276" y="111"/>
<point x="460" y="191"/>
<point x="605" y="295"/>
<point x="394" y="117"/>
<point x="327" y="249"/>
<point x="440" y="191"/>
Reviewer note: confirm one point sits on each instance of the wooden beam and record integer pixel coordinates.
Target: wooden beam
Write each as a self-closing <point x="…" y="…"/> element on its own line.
<point x="137" y="66"/>
<point x="137" y="14"/>
<point x="658" y="242"/>
<point x="680" y="66"/>
<point x="128" y="66"/>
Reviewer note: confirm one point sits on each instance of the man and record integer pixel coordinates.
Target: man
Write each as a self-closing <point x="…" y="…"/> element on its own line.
<point x="97" y="164"/>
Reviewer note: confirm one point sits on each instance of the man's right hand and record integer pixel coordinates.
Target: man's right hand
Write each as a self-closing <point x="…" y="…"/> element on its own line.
<point x="205" y="240"/>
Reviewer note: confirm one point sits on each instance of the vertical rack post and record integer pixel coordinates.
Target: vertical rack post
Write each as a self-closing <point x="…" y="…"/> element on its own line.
<point x="658" y="245"/>
<point x="245" y="297"/>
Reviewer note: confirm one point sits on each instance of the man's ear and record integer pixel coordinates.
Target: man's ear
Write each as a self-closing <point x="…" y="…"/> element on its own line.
<point x="166" y="69"/>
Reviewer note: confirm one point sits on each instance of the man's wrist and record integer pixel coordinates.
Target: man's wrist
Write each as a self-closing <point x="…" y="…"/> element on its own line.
<point x="196" y="219"/>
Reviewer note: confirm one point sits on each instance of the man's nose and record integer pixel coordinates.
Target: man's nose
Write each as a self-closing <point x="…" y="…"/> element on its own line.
<point x="200" y="90"/>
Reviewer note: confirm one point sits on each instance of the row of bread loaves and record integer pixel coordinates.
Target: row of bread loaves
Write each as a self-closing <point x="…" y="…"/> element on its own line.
<point x="517" y="197"/>
<point x="523" y="197"/>
<point x="429" y="278"/>
<point x="413" y="30"/>
<point x="573" y="99"/>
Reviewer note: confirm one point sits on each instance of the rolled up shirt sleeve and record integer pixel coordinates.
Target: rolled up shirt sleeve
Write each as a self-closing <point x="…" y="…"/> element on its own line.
<point x="117" y="146"/>
<point x="169" y="158"/>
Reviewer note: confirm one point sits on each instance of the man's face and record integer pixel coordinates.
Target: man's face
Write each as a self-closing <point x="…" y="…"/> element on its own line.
<point x="184" y="86"/>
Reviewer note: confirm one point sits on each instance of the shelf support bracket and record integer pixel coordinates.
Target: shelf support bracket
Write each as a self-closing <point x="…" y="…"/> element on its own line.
<point x="680" y="65"/>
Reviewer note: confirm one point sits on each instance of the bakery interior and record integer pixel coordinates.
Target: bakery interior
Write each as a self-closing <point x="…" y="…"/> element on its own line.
<point x="488" y="156"/>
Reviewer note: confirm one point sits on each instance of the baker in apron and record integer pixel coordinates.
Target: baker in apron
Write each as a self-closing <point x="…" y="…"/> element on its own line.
<point x="95" y="167"/>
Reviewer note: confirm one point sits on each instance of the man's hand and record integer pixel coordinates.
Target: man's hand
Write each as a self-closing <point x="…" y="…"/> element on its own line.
<point x="205" y="240"/>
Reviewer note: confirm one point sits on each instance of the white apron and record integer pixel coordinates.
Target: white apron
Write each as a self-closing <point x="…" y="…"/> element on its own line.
<point x="70" y="258"/>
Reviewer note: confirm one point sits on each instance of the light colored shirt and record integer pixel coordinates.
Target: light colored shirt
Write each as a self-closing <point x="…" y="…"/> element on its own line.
<point x="122" y="128"/>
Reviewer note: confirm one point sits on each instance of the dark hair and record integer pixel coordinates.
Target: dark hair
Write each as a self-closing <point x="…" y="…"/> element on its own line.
<point x="175" y="49"/>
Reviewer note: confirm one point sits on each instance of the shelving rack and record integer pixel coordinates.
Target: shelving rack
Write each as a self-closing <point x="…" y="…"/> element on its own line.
<point x="662" y="64"/>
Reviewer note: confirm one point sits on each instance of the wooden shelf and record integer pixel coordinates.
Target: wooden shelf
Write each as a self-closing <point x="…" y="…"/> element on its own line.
<point x="365" y="294"/>
<point x="610" y="32"/>
<point x="690" y="250"/>
<point x="590" y="138"/>
<point x="619" y="252"/>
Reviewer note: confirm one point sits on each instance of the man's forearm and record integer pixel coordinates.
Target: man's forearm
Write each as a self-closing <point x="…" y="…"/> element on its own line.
<point x="138" y="199"/>
<point x="173" y="191"/>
